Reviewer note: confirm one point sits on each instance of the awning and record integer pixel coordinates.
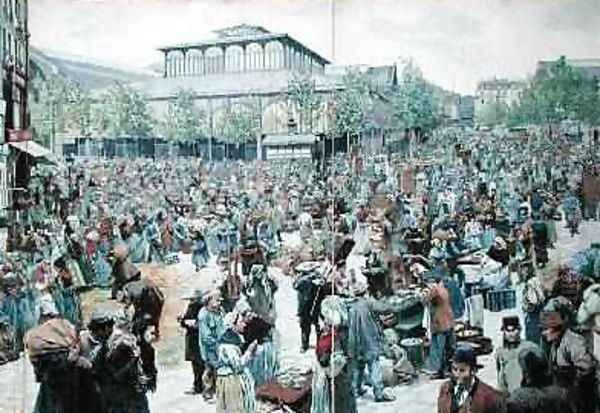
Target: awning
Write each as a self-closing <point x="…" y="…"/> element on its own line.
<point x="34" y="149"/>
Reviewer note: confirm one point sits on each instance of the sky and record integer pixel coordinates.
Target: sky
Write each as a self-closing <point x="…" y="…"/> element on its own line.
<point x="456" y="43"/>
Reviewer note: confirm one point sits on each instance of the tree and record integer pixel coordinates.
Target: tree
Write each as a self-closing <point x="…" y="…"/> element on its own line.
<point x="414" y="103"/>
<point x="301" y="92"/>
<point x="126" y="113"/>
<point x="352" y="105"/>
<point x="78" y="110"/>
<point x="48" y="108"/>
<point x="184" y="122"/>
<point x="559" y="94"/>
<point x="239" y="124"/>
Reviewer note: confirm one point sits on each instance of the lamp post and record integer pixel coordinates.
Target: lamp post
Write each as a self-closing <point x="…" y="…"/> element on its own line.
<point x="53" y="135"/>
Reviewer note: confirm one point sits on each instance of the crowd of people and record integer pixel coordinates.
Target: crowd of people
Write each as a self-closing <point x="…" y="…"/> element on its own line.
<point x="402" y="257"/>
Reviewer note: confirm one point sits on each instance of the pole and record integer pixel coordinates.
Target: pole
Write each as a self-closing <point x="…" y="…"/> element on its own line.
<point x="53" y="127"/>
<point x="332" y="30"/>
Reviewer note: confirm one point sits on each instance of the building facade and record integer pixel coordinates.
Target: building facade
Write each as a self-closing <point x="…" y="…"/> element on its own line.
<point x="248" y="68"/>
<point x="14" y="45"/>
<point x="497" y="91"/>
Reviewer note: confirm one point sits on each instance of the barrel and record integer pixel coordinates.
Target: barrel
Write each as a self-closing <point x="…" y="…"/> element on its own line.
<point x="414" y="349"/>
<point x="501" y="300"/>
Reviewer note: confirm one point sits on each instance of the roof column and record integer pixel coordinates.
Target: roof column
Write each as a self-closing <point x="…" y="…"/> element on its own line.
<point x="166" y="67"/>
<point x="286" y="59"/>
<point x="224" y="62"/>
<point x="244" y="58"/>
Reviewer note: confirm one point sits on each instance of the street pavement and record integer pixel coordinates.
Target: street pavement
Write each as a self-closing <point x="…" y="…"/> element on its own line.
<point x="18" y="388"/>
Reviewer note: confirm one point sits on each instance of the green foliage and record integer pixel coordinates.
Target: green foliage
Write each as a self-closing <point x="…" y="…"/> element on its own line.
<point x="125" y="112"/>
<point x="301" y="91"/>
<point x="59" y="106"/>
<point x="562" y="93"/>
<point x="414" y="102"/>
<point x="352" y="104"/>
<point x="78" y="111"/>
<point x="184" y="122"/>
<point x="239" y="124"/>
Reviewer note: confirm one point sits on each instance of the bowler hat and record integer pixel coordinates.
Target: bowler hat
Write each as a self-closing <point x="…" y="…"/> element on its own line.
<point x="465" y="353"/>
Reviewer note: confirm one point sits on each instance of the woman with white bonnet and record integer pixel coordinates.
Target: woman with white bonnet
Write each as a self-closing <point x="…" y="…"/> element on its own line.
<point x="234" y="383"/>
<point x="332" y="362"/>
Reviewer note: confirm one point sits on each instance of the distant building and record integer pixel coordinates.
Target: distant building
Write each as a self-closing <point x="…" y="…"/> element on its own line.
<point x="589" y="68"/>
<point x="494" y="91"/>
<point x="466" y="110"/>
<point x="454" y="108"/>
<point x="249" y="67"/>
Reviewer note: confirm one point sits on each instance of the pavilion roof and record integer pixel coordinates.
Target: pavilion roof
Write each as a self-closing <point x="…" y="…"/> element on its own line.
<point x="247" y="35"/>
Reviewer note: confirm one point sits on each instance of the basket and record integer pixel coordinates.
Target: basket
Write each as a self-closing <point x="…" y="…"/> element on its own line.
<point x="501" y="300"/>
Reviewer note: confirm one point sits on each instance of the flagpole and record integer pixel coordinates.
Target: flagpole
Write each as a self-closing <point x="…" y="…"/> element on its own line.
<point x="332" y="31"/>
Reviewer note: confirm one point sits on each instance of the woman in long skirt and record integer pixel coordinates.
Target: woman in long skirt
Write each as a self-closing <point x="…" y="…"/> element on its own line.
<point x="332" y="364"/>
<point x="234" y="385"/>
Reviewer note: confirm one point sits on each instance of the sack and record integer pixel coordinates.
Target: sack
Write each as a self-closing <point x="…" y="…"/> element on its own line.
<point x="54" y="336"/>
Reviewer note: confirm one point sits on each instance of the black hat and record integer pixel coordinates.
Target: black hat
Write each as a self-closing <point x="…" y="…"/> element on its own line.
<point x="511" y="322"/>
<point x="464" y="353"/>
<point x="101" y="316"/>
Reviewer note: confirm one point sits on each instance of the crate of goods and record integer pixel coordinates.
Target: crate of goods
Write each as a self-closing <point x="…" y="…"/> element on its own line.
<point x="477" y="289"/>
<point x="501" y="300"/>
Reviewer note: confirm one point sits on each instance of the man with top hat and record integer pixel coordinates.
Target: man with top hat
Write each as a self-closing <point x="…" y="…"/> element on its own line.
<point x="507" y="357"/>
<point x="465" y="392"/>
<point x="189" y="321"/>
<point x="573" y="366"/>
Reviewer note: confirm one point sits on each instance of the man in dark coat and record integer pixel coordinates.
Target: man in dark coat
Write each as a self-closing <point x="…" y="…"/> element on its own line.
<point x="189" y="321"/>
<point x="536" y="393"/>
<point x="573" y="367"/>
<point x="122" y="381"/>
<point x="310" y="294"/>
<point x="147" y="301"/>
<point x="465" y="393"/>
<point x="539" y="231"/>
<point x="122" y="269"/>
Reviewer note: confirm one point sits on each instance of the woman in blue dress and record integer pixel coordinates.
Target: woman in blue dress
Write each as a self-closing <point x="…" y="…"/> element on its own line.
<point x="66" y="294"/>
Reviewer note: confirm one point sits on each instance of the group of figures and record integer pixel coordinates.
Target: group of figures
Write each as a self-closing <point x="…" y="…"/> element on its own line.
<point x="408" y="251"/>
